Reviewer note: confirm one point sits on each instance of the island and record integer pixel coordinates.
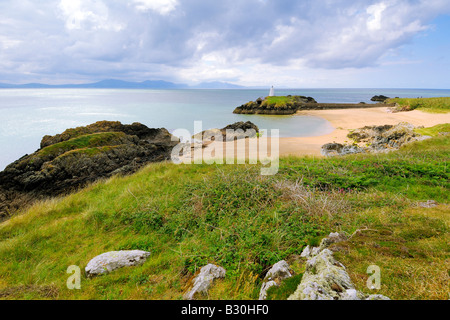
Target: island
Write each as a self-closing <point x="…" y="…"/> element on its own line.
<point x="288" y="105"/>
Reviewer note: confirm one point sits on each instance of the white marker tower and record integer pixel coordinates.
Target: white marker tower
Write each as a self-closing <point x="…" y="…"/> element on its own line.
<point x="272" y="92"/>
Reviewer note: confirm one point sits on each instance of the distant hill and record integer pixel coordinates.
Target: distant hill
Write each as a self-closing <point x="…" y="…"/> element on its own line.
<point x="120" y="84"/>
<point x="217" y="85"/>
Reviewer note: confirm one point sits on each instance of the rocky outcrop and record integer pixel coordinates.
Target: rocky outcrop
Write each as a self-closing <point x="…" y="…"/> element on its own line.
<point x="325" y="278"/>
<point x="79" y="156"/>
<point x="379" y="98"/>
<point x="203" y="281"/>
<point x="338" y="149"/>
<point x="274" y="277"/>
<point x="235" y="131"/>
<point x="290" y="105"/>
<point x="375" y="139"/>
<point x="110" y="261"/>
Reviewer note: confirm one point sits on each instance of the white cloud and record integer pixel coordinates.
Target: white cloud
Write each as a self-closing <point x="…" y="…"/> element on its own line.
<point x="163" y="7"/>
<point x="86" y="14"/>
<point x="375" y="11"/>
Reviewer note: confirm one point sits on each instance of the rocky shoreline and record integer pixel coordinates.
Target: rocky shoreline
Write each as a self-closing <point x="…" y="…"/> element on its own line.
<point x="78" y="156"/>
<point x="374" y="139"/>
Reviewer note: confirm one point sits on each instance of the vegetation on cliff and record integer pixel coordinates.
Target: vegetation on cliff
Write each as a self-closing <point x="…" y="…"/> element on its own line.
<point x="191" y="215"/>
<point x="435" y="105"/>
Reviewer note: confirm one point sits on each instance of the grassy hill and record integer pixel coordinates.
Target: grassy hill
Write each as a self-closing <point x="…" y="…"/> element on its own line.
<point x="191" y="215"/>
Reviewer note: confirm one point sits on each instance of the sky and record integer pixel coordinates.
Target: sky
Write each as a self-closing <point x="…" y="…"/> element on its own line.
<point x="285" y="43"/>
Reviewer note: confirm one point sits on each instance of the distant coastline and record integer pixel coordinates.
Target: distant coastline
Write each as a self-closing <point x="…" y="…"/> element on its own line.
<point x="120" y="84"/>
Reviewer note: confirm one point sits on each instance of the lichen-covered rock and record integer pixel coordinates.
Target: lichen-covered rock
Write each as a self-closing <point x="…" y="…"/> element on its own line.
<point x="332" y="238"/>
<point x="324" y="279"/>
<point x="274" y="277"/>
<point x="114" y="260"/>
<point x="203" y="281"/>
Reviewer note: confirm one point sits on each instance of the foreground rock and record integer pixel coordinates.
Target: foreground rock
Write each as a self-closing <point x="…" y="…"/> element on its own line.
<point x="203" y="281"/>
<point x="274" y="277"/>
<point x="79" y="156"/>
<point x="110" y="261"/>
<point x="375" y="139"/>
<point x="325" y="278"/>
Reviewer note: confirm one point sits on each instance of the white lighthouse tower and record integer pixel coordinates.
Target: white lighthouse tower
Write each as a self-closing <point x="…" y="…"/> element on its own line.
<point x="272" y="92"/>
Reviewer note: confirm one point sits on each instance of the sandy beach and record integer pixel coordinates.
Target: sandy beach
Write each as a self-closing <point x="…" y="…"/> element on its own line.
<point x="343" y="120"/>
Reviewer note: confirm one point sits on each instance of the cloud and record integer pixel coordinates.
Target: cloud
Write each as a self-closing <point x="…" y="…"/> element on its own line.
<point x="161" y="6"/>
<point x="195" y="40"/>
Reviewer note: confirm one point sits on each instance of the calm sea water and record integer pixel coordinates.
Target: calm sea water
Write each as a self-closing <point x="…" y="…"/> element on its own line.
<point x="29" y="114"/>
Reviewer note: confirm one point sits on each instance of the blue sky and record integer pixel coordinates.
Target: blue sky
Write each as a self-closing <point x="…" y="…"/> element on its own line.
<point x="310" y="43"/>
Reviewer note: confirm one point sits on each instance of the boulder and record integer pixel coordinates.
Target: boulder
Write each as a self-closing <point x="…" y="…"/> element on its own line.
<point x="239" y="130"/>
<point x="274" y="277"/>
<point x="110" y="261"/>
<point x="325" y="278"/>
<point x="203" y="281"/>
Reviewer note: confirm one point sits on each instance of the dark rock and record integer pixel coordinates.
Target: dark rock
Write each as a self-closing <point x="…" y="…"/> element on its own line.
<point x="79" y="156"/>
<point x="242" y="126"/>
<point x="379" y="98"/>
<point x="241" y="130"/>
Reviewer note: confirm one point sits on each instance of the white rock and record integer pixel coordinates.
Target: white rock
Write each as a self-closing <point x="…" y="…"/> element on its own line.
<point x="351" y="294"/>
<point x="324" y="279"/>
<point x="306" y="253"/>
<point x="113" y="260"/>
<point x="204" y="279"/>
<point x="265" y="286"/>
<point x="274" y="276"/>
<point x="315" y="251"/>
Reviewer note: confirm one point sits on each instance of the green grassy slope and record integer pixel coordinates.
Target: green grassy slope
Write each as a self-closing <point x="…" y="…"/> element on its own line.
<point x="191" y="215"/>
<point x="433" y="105"/>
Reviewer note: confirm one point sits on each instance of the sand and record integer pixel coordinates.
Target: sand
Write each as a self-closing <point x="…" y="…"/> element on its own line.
<point x="343" y="120"/>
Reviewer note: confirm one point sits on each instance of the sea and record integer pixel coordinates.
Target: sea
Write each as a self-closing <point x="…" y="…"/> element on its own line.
<point x="26" y="115"/>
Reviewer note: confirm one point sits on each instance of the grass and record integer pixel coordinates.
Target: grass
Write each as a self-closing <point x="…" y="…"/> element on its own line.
<point x="434" y="131"/>
<point x="281" y="102"/>
<point x="82" y="142"/>
<point x="433" y="105"/>
<point x="191" y="215"/>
